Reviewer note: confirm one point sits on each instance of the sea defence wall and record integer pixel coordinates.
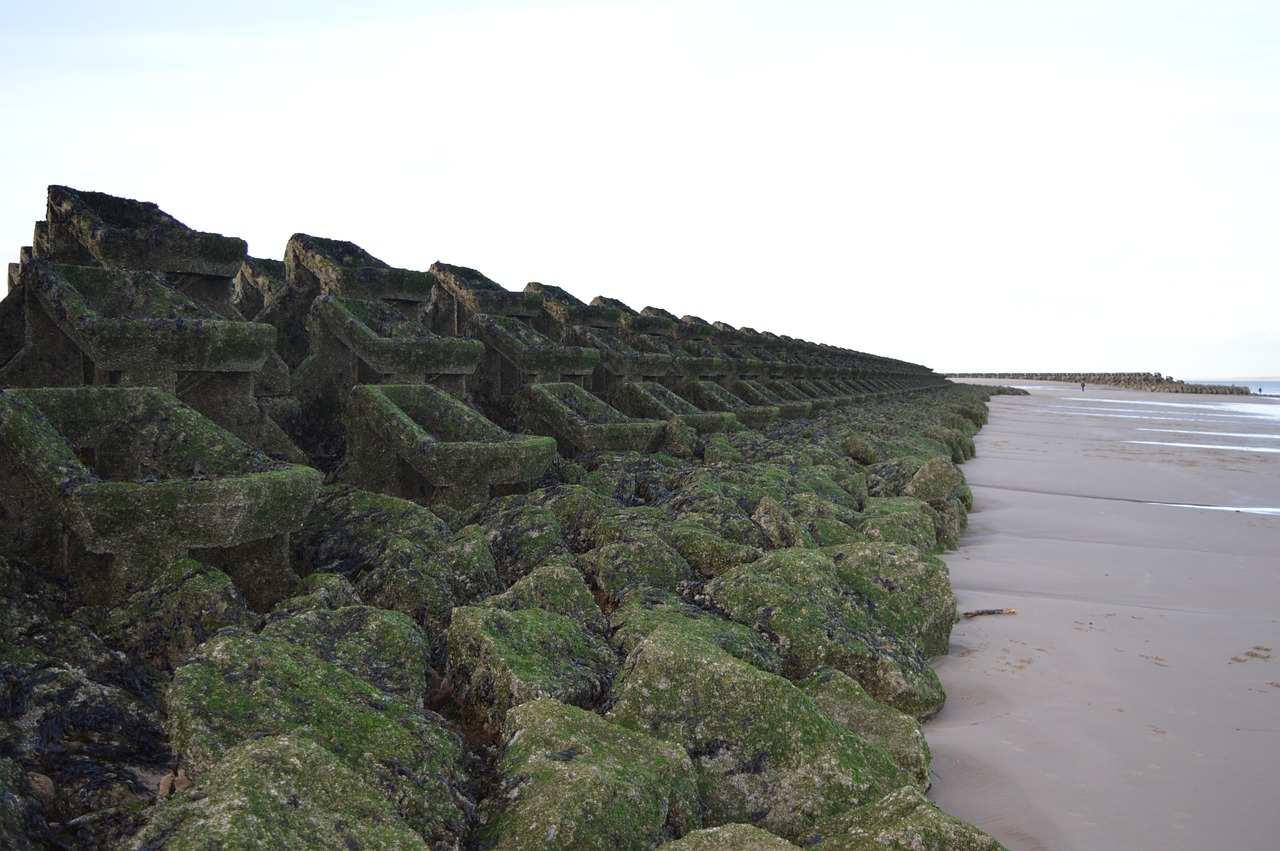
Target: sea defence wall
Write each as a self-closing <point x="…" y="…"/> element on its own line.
<point x="1152" y="381"/>
<point x="319" y="551"/>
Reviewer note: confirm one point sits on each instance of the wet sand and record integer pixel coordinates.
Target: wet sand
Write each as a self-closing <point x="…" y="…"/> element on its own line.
<point x="1134" y="699"/>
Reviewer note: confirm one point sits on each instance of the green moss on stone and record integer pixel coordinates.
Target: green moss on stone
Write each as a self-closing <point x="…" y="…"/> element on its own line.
<point x="570" y="780"/>
<point x="728" y="837"/>
<point x="904" y="820"/>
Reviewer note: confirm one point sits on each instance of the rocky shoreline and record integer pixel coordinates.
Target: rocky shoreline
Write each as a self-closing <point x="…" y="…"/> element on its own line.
<point x="249" y="605"/>
<point x="1152" y="381"/>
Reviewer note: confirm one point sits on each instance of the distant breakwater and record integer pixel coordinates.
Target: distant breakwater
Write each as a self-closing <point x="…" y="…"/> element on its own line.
<point x="1153" y="381"/>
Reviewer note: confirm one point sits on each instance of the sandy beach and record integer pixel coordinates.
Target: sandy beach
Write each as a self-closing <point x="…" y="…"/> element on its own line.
<point x="1133" y="701"/>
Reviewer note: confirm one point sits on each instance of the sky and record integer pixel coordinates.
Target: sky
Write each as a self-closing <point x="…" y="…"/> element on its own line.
<point x="1004" y="186"/>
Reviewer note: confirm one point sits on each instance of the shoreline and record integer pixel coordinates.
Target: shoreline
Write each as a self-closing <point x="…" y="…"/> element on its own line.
<point x="1131" y="701"/>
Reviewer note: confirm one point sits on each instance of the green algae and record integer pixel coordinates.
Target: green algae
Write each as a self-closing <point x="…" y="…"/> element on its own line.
<point x="728" y="837"/>
<point x="762" y="752"/>
<point x="571" y="780"/>
<point x="903" y="820"/>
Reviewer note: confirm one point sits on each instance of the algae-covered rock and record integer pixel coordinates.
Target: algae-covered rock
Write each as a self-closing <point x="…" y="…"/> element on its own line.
<point x="281" y="791"/>
<point x="728" y="837"/>
<point x="397" y="554"/>
<point x="843" y="699"/>
<point x="706" y="551"/>
<point x="499" y="659"/>
<point x="935" y="482"/>
<point x="904" y="820"/>
<point x="643" y="559"/>
<point x="779" y="526"/>
<point x="186" y="605"/>
<point x="571" y="780"/>
<point x="826" y="523"/>
<point x="908" y="592"/>
<point x="577" y="509"/>
<point x="796" y="598"/>
<point x="555" y="586"/>
<point x="763" y="753"/>
<point x="902" y="520"/>
<point x="22" y="824"/>
<point x="318" y="592"/>
<point x="890" y="478"/>
<point x="521" y="536"/>
<point x="643" y="610"/>
<point x="238" y="686"/>
<point x="384" y="648"/>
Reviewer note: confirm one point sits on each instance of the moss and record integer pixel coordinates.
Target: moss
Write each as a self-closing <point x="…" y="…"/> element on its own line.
<point x="281" y="791"/>
<point x="237" y="687"/>
<point x="843" y="699"/>
<point x="795" y="596"/>
<point x="904" y="820"/>
<point x="906" y="591"/>
<point x="763" y="753"/>
<point x="570" y="780"/>
<point x="521" y="536"/>
<point x="903" y="520"/>
<point x="729" y="837"/>
<point x="643" y="610"/>
<point x="557" y="587"/>
<point x="499" y="659"/>
<point x="644" y="559"/>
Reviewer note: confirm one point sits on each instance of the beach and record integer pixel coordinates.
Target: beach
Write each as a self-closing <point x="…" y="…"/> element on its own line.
<point x="1133" y="700"/>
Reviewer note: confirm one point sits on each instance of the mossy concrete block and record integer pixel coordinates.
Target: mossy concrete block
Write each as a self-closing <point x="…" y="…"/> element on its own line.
<point x="654" y="401"/>
<point x="643" y="610"/>
<point x="419" y="441"/>
<point x="908" y="592"/>
<point x="238" y="686"/>
<point x="763" y="753"/>
<point x="184" y="607"/>
<point x="556" y="586"/>
<point x="728" y="837"/>
<point x="643" y="559"/>
<point x="904" y="820"/>
<point x="384" y="648"/>
<point x="336" y="267"/>
<point x="284" y="791"/>
<point x="500" y="659"/>
<point x="136" y="474"/>
<point x="796" y="598"/>
<point x="119" y="233"/>
<point x="903" y="520"/>
<point x="580" y="422"/>
<point x="843" y="699"/>
<point x="571" y="780"/>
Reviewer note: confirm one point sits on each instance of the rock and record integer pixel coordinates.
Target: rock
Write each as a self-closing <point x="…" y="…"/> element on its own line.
<point x="23" y="807"/>
<point x="500" y="659"/>
<point x="796" y="598"/>
<point x="842" y="699"/>
<point x="935" y="482"/>
<point x="763" y="753"/>
<point x="318" y="592"/>
<point x="643" y="610"/>
<point x="238" y="687"/>
<point x="186" y="605"/>
<point x="779" y="526"/>
<point x="825" y="522"/>
<point x="904" y="820"/>
<point x="571" y="780"/>
<point x="907" y="592"/>
<point x="521" y="536"/>
<point x="397" y="555"/>
<point x="283" y="791"/>
<point x="728" y="837"/>
<point x="557" y="587"/>
<point x="890" y="478"/>
<point x="902" y="520"/>
<point x="384" y="648"/>
<point x="644" y="559"/>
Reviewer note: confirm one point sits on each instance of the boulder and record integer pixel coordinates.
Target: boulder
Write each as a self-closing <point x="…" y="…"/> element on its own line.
<point x="904" y="820"/>
<point x="571" y="781"/>
<point x="728" y="837"/>
<point x="762" y="752"/>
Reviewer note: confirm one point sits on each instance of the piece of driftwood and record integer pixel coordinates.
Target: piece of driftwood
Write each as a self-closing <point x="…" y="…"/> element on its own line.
<point x="974" y="614"/>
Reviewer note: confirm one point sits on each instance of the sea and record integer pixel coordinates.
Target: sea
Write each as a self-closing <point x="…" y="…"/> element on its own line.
<point x="1260" y="386"/>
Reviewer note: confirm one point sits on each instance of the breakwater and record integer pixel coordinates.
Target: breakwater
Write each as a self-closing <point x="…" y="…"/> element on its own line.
<point x="1152" y="381"/>
<point x="318" y="552"/>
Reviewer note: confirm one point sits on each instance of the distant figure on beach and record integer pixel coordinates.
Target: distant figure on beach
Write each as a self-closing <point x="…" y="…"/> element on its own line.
<point x="1081" y="386"/>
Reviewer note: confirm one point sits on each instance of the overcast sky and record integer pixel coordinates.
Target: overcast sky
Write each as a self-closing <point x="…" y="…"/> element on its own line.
<point x="975" y="186"/>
